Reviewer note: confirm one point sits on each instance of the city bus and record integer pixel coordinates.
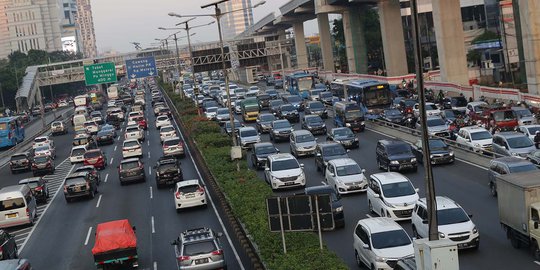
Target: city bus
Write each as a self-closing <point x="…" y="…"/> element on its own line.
<point x="300" y="83"/>
<point x="371" y="95"/>
<point x="349" y="114"/>
<point x="11" y="131"/>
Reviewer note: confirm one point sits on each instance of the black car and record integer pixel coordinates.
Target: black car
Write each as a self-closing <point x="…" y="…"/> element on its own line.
<point x="105" y="137"/>
<point x="270" y="81"/>
<point x="79" y="184"/>
<point x="42" y="165"/>
<point x="274" y="106"/>
<point x="439" y="152"/>
<point x="326" y="97"/>
<point x="8" y="246"/>
<point x="316" y="107"/>
<point x="314" y="124"/>
<point x="278" y="84"/>
<point x="168" y="171"/>
<point x="294" y="100"/>
<point x="264" y="101"/>
<point x="227" y="126"/>
<point x="395" y="155"/>
<point x="131" y="170"/>
<point x="335" y="201"/>
<point x="259" y="153"/>
<point x="393" y="116"/>
<point x="94" y="173"/>
<point x="264" y="122"/>
<point x="326" y="152"/>
<point x="343" y="136"/>
<point x="281" y="130"/>
<point x="20" y="162"/>
<point x="289" y="112"/>
<point x="534" y="157"/>
<point x="272" y="93"/>
<point x="39" y="188"/>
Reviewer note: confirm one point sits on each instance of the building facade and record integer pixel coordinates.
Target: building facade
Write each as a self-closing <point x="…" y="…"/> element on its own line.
<point x="237" y="22"/>
<point x="85" y="25"/>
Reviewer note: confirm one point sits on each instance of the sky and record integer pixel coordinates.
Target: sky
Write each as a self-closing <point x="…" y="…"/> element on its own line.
<point x="118" y="23"/>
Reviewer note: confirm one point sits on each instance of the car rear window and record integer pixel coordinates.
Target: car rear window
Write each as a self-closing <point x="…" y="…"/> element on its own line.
<point x="18" y="157"/>
<point x="188" y="189"/>
<point x="40" y="139"/>
<point x="132" y="129"/>
<point x="199" y="248"/>
<point x="75" y="181"/>
<point x="11" y="204"/>
<point x="131" y="143"/>
<point x="92" y="154"/>
<point x="166" y="129"/>
<point x="162" y="118"/>
<point x="130" y="165"/>
<point x="32" y="184"/>
<point x="40" y="159"/>
<point x="171" y="142"/>
<point x="78" y="152"/>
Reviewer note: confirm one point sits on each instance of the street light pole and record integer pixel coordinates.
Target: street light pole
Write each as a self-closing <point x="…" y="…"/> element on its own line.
<point x="177" y="62"/>
<point x="430" y="185"/>
<point x="50" y="88"/>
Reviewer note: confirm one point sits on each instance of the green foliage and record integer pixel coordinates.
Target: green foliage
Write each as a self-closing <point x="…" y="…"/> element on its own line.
<point x="247" y="194"/>
<point x="486" y="36"/>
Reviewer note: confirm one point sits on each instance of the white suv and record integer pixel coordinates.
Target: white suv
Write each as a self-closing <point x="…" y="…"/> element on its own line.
<point x="162" y="120"/>
<point x="77" y="153"/>
<point x="134" y="132"/>
<point x="189" y="193"/>
<point x="131" y="148"/>
<point x="345" y="176"/>
<point x="475" y="138"/>
<point x="167" y="132"/>
<point x="380" y="242"/>
<point x="284" y="171"/>
<point x="391" y="194"/>
<point x="453" y="221"/>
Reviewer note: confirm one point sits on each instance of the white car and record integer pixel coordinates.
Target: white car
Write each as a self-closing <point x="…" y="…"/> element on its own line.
<point x="284" y="171"/>
<point x="345" y="176"/>
<point x="167" y="132"/>
<point x="211" y="113"/>
<point x="248" y="136"/>
<point x="131" y="148"/>
<point x="391" y="194"/>
<point x="380" y="242"/>
<point x="162" y="121"/>
<point x="77" y="153"/>
<point x="134" y="132"/>
<point x="431" y="109"/>
<point x="453" y="223"/>
<point x="475" y="107"/>
<point x="189" y="193"/>
<point x="42" y="141"/>
<point x="173" y="147"/>
<point x="475" y="138"/>
<point x="45" y="150"/>
<point x="91" y="127"/>
<point x="529" y="130"/>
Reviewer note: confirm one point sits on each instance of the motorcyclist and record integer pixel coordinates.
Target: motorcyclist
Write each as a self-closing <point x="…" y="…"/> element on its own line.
<point x="537" y="139"/>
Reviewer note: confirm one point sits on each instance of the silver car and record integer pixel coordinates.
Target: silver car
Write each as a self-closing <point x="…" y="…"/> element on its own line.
<point x="248" y="136"/>
<point x="436" y="126"/>
<point x="302" y="143"/>
<point x="199" y="249"/>
<point x="512" y="144"/>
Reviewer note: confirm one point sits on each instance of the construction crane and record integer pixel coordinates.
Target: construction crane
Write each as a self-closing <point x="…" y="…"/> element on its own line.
<point x="137" y="45"/>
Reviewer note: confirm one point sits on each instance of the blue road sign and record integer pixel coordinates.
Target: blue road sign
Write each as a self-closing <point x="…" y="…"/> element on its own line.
<point x="141" y="67"/>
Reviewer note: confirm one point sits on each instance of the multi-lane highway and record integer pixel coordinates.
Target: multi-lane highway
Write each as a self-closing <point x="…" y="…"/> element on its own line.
<point x="64" y="234"/>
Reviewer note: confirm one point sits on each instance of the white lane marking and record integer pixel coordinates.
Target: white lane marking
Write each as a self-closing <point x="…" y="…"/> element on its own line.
<point x="111" y="160"/>
<point x="115" y="147"/>
<point x="98" y="201"/>
<point x="215" y="209"/>
<point x="369" y="216"/>
<point x="148" y="143"/>
<point x="537" y="262"/>
<point x="148" y="154"/>
<point x="106" y="177"/>
<point x="155" y="265"/>
<point x="118" y="138"/>
<point x="88" y="236"/>
<point x="151" y="193"/>
<point x="149" y="170"/>
<point x="148" y="132"/>
<point x="46" y="208"/>
<point x="153" y="228"/>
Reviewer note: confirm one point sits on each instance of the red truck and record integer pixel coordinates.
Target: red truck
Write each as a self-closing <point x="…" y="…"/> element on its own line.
<point x="501" y="118"/>
<point x="116" y="245"/>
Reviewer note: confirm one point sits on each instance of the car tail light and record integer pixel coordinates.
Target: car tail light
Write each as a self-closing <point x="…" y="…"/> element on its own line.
<point x="182" y="258"/>
<point x="49" y="164"/>
<point x="178" y="194"/>
<point x="87" y="186"/>
<point x="34" y="165"/>
<point x="217" y="252"/>
<point x="39" y="188"/>
<point x="65" y="189"/>
<point x="200" y="190"/>
<point x="27" y="212"/>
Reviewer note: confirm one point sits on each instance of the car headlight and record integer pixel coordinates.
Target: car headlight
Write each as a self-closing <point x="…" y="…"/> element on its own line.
<point x="355" y="139"/>
<point x="380" y="259"/>
<point x="431" y="156"/>
<point x="347" y="124"/>
<point x="388" y="204"/>
<point x="477" y="145"/>
<point x="362" y="123"/>
<point x="451" y="153"/>
<point x="442" y="235"/>
<point x="339" y="209"/>
<point x="413" y="159"/>
<point x="515" y="154"/>
<point x="474" y="230"/>
<point x="394" y="162"/>
<point x="323" y="125"/>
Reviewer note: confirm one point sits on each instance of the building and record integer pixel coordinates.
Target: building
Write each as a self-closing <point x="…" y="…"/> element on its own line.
<point x="234" y="23"/>
<point x="85" y="25"/>
<point x="29" y="24"/>
<point x="70" y="33"/>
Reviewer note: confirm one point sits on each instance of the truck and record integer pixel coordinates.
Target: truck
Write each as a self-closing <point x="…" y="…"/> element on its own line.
<point x="81" y="100"/>
<point x="250" y="109"/>
<point x="497" y="117"/>
<point x="116" y="245"/>
<point x="112" y="92"/>
<point x="518" y="196"/>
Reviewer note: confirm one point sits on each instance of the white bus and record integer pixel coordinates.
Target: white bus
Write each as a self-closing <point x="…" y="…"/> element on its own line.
<point x="112" y="92"/>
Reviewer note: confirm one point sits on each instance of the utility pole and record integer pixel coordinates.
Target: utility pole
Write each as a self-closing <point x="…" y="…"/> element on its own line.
<point x="177" y="61"/>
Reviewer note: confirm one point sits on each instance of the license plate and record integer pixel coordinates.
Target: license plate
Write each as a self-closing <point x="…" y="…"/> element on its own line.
<point x="201" y="261"/>
<point x="14" y="215"/>
<point x="289" y="183"/>
<point x="189" y="196"/>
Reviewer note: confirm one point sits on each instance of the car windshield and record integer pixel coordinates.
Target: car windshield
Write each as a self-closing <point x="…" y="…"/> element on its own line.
<point x="353" y="114"/>
<point x="18" y="157"/>
<point x="449" y="114"/>
<point x="166" y="129"/>
<point x="56" y="124"/>
<point x="130" y="165"/>
<point x="409" y="102"/>
<point x="390" y="239"/>
<point x="11" y="204"/>
<point x="392" y="112"/>
<point x="314" y="120"/>
<point x="267" y="117"/>
<point x="522" y="168"/>
<point x="287" y="108"/>
<point x="40" y="159"/>
<point x="325" y="95"/>
<point x="334" y="150"/>
<point x="87" y="124"/>
<point x="266" y="149"/>
<point x="343" y="132"/>
<point x="287" y="164"/>
<point x="131" y="143"/>
<point x="430" y="107"/>
<point x="78" y="152"/>
<point x="399" y="149"/>
<point x="437" y="144"/>
<point x="351" y="169"/>
<point x="248" y="133"/>
<point x="435" y="122"/>
<point x="211" y="110"/>
<point x="523" y="113"/>
<point x="293" y="99"/>
<point x="316" y="105"/>
<point x="236" y="124"/>
<point x="107" y="127"/>
<point x="451" y="216"/>
<point x="504" y="115"/>
<point x="398" y="189"/>
<point x="199" y="248"/>
<point x="533" y="130"/>
<point x="92" y="154"/>
<point x="222" y="111"/>
<point x="282" y="124"/>
<point x="271" y="92"/>
<point x="305" y="138"/>
<point x="171" y="142"/>
<point x="276" y="103"/>
<point x="482" y="135"/>
<point x="520" y="142"/>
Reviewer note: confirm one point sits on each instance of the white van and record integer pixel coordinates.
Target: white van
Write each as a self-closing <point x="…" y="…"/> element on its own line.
<point x="81" y="110"/>
<point x="17" y="206"/>
<point x="78" y="122"/>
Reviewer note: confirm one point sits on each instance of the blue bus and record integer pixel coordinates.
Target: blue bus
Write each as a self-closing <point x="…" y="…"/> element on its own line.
<point x="300" y="83"/>
<point x="349" y="114"/>
<point x="11" y="131"/>
<point x="371" y="95"/>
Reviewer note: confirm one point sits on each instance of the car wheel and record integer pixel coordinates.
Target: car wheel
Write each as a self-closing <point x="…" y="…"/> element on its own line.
<point x="370" y="207"/>
<point x="379" y="165"/>
<point x="493" y="190"/>
<point x="415" y="232"/>
<point x="358" y="260"/>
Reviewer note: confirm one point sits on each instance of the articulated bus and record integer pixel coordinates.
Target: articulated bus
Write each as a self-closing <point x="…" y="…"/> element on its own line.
<point x="300" y="83"/>
<point x="370" y="94"/>
<point x="11" y="131"/>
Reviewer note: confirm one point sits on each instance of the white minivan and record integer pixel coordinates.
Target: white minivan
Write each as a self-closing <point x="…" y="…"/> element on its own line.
<point x="17" y="206"/>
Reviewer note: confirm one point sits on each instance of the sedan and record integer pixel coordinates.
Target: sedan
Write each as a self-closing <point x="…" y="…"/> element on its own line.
<point x="105" y="136"/>
<point x="439" y="152"/>
<point x="289" y="112"/>
<point x="344" y="136"/>
<point x="162" y="120"/>
<point x="314" y="124"/>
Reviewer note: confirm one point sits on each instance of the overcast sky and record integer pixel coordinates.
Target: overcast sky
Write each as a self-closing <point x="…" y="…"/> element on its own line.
<point x="119" y="22"/>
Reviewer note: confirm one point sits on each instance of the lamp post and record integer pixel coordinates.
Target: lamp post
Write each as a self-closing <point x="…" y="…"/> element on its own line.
<point x="177" y="58"/>
<point x="217" y="15"/>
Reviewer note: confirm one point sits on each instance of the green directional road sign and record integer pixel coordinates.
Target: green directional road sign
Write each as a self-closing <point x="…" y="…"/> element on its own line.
<point x="100" y="73"/>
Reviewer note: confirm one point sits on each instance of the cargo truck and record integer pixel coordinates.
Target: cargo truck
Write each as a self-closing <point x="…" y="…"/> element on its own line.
<point x="518" y="196"/>
<point x="250" y="109"/>
<point x="115" y="246"/>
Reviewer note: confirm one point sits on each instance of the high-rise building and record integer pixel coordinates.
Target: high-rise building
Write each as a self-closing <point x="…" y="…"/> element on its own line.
<point x="235" y="23"/>
<point x="85" y="25"/>
<point x="29" y="24"/>
<point x="70" y="34"/>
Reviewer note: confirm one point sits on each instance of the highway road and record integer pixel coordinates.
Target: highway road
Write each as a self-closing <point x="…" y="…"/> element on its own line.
<point x="64" y="234"/>
<point x="465" y="183"/>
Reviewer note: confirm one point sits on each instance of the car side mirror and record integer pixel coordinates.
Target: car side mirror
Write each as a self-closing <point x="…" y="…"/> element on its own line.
<point x="425" y="221"/>
<point x="267" y="169"/>
<point x="333" y="174"/>
<point x="470" y="215"/>
<point x="536" y="224"/>
<point x="302" y="165"/>
<point x="468" y="140"/>
<point x="348" y="150"/>
<point x="376" y="195"/>
<point x="134" y="228"/>
<point x="363" y="170"/>
<point x="219" y="234"/>
<point x="365" y="246"/>
<point x="318" y="154"/>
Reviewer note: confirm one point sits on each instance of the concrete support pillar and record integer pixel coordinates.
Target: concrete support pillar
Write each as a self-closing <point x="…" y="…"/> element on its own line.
<point x="395" y="57"/>
<point x="325" y="41"/>
<point x="355" y="42"/>
<point x="529" y="11"/>
<point x="300" y="45"/>
<point x="450" y="45"/>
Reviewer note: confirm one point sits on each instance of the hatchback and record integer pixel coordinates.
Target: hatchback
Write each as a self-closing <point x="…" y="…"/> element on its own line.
<point x="95" y="158"/>
<point x="42" y="165"/>
<point x="189" y="193"/>
<point x="345" y="176"/>
<point x="131" y="170"/>
<point x="167" y="132"/>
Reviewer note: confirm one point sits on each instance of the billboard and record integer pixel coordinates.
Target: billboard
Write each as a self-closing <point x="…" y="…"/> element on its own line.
<point x="69" y="44"/>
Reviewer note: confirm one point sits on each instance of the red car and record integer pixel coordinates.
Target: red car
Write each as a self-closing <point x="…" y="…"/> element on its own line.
<point x="95" y="158"/>
<point x="141" y="122"/>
